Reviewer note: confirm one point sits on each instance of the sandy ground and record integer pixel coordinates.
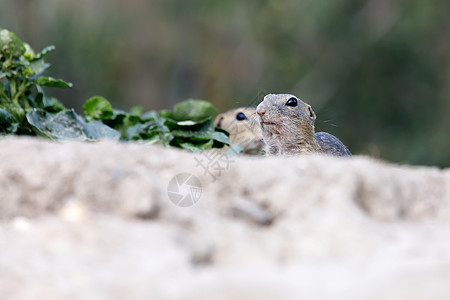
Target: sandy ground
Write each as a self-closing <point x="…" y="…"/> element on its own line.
<point x="105" y="221"/>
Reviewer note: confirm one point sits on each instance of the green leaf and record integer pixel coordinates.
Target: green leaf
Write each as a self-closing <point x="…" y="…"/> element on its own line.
<point x="161" y="138"/>
<point x="197" y="147"/>
<point x="186" y="123"/>
<point x="15" y="111"/>
<point x="67" y="125"/>
<point x="117" y="119"/>
<point x="194" y="110"/>
<point x="3" y="96"/>
<point x="96" y="130"/>
<point x="220" y="137"/>
<point x="234" y="150"/>
<point x="38" y="67"/>
<point x="29" y="52"/>
<point x="44" y="52"/>
<point x="10" y="45"/>
<point x="167" y="114"/>
<point x="7" y="124"/>
<point x="61" y="126"/>
<point x="141" y="132"/>
<point x="136" y="110"/>
<point x="223" y="131"/>
<point x="199" y="134"/>
<point x="52" y="82"/>
<point x="52" y="105"/>
<point x="148" y="131"/>
<point x="203" y="130"/>
<point x="149" y="115"/>
<point x="98" y="108"/>
<point x="118" y="113"/>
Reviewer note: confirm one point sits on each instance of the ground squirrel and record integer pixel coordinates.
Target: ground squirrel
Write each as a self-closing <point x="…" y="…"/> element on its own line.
<point x="287" y="125"/>
<point x="243" y="126"/>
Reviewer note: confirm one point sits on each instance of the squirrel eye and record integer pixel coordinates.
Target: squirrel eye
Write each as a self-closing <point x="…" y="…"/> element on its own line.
<point x="241" y="116"/>
<point x="292" y="102"/>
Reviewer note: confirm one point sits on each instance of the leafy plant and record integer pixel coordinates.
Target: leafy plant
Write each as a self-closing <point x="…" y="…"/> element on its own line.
<point x="21" y="82"/>
<point x="25" y="109"/>
<point x="24" y="106"/>
<point x="190" y="125"/>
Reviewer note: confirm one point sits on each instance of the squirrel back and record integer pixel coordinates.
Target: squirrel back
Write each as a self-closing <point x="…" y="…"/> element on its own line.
<point x="330" y="144"/>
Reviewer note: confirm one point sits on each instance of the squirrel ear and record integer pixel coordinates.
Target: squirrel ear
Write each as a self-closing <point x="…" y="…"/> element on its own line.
<point x="312" y="115"/>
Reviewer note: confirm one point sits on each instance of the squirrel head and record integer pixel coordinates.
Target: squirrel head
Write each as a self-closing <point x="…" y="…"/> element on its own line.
<point x="285" y="112"/>
<point x="243" y="126"/>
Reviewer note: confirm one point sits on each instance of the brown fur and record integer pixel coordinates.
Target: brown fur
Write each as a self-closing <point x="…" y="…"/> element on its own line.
<point x="290" y="130"/>
<point x="245" y="133"/>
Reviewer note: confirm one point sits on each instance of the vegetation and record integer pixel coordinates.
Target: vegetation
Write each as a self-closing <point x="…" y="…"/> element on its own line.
<point x="25" y="109"/>
<point x="376" y="72"/>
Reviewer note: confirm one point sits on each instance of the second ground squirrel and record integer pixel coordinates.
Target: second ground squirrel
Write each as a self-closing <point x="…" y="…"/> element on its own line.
<point x="287" y="126"/>
<point x="243" y="126"/>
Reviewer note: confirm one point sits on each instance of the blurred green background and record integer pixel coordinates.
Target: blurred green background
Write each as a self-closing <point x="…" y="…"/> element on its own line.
<point x="377" y="72"/>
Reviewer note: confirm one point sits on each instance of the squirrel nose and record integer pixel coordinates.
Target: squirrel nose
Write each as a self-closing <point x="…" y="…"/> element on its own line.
<point x="261" y="112"/>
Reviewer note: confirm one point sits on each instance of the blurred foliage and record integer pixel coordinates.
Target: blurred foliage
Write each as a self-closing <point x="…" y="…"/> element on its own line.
<point x="26" y="110"/>
<point x="377" y="72"/>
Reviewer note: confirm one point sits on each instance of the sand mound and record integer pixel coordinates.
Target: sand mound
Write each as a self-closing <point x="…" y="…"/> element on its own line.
<point x="99" y="221"/>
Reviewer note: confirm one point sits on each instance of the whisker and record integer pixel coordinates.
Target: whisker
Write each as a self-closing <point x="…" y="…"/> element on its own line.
<point x="328" y="122"/>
